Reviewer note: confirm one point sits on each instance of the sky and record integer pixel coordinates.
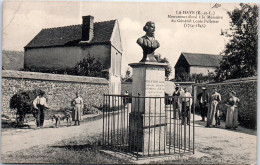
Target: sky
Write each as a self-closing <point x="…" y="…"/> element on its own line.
<point x="23" y="20"/>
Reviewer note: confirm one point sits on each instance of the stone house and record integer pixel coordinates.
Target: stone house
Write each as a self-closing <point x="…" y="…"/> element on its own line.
<point x="64" y="47"/>
<point x="196" y="63"/>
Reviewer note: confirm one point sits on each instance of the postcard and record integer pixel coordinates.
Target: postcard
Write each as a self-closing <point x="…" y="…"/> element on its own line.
<point x="93" y="82"/>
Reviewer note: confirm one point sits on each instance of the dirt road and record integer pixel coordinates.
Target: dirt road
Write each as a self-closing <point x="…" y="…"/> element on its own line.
<point x="229" y="145"/>
<point x="226" y="144"/>
<point x="15" y="140"/>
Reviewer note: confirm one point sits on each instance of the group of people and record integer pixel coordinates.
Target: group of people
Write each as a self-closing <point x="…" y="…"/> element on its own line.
<point x="209" y="108"/>
<point x="182" y="105"/>
<point x="40" y="104"/>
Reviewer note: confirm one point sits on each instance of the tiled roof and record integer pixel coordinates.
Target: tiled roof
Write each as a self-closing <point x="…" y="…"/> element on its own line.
<point x="71" y="35"/>
<point x="198" y="59"/>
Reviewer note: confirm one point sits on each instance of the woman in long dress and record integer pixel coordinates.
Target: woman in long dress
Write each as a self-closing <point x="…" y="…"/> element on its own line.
<point x="78" y="105"/>
<point x="211" y="117"/>
<point x="232" y="111"/>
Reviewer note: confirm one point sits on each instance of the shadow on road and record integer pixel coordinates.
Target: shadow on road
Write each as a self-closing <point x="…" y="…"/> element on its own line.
<point x="11" y="124"/>
<point x="77" y="147"/>
<point x="222" y="126"/>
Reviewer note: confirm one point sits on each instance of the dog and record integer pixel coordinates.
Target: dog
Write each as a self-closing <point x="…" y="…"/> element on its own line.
<point x="62" y="116"/>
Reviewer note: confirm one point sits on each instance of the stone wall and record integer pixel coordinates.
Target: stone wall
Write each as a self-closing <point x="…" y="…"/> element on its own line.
<point x="59" y="89"/>
<point x="246" y="91"/>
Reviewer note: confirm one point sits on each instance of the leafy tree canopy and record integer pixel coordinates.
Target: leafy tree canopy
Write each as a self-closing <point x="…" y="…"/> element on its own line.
<point x="168" y="69"/>
<point x="198" y="78"/>
<point x="128" y="77"/>
<point x="89" y="66"/>
<point x="240" y="54"/>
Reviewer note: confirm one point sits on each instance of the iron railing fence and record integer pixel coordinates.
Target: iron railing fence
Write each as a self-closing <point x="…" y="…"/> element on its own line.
<point x="148" y="126"/>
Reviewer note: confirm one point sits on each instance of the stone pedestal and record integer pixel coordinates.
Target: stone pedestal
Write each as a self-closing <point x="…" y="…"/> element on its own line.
<point x="147" y="118"/>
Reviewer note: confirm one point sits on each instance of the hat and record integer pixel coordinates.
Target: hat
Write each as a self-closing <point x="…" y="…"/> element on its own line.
<point x="177" y="85"/>
<point x="203" y="88"/>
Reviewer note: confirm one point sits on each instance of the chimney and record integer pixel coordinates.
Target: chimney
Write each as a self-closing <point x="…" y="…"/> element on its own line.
<point x="87" y="28"/>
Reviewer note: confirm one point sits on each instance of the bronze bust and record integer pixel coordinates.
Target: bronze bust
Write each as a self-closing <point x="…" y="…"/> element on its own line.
<point x="148" y="42"/>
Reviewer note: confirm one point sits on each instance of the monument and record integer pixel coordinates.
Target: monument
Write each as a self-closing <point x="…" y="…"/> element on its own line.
<point x="148" y="42"/>
<point x="147" y="118"/>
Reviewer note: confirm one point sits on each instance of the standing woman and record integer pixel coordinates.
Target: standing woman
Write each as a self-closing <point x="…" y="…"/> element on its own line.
<point x="232" y="111"/>
<point x="40" y="104"/>
<point x="78" y="105"/>
<point x="214" y="100"/>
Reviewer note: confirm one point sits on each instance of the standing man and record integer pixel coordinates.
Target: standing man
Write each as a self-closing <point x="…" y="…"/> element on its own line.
<point x="40" y="104"/>
<point x="78" y="105"/>
<point x="177" y="91"/>
<point x="203" y="102"/>
<point x="175" y="102"/>
<point x="212" y="114"/>
<point x="125" y="99"/>
<point x="186" y="106"/>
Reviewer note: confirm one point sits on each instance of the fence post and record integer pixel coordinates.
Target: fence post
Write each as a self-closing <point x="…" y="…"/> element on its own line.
<point x="193" y="126"/>
<point x="103" y="135"/>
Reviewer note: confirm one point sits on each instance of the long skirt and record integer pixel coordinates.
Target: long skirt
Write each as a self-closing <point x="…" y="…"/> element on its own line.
<point x="231" y="117"/>
<point x="77" y="116"/>
<point x="211" y="117"/>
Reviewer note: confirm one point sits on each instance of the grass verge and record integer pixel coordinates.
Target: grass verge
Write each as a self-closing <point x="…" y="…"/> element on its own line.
<point x="80" y="150"/>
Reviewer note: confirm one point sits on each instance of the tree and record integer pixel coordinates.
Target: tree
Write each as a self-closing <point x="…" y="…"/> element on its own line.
<point x="198" y="78"/>
<point x="168" y="69"/>
<point x="240" y="54"/>
<point x="88" y="66"/>
<point x="128" y="77"/>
